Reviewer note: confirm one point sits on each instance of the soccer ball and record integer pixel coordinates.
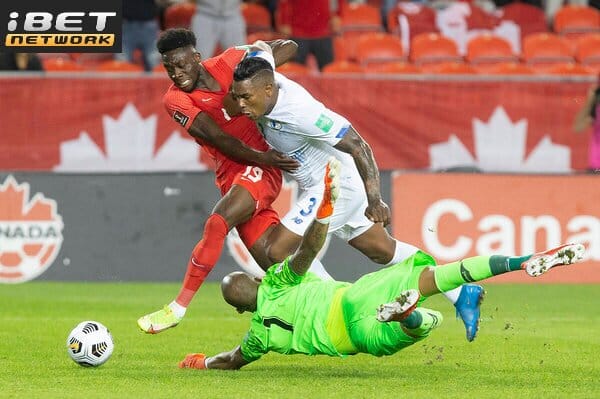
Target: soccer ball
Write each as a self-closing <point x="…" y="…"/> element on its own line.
<point x="90" y="344"/>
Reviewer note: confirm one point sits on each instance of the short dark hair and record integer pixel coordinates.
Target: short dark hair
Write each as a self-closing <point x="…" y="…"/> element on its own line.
<point x="175" y="38"/>
<point x="249" y="67"/>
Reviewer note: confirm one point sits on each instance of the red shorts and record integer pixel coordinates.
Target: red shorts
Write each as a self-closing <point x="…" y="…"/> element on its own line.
<point x="264" y="185"/>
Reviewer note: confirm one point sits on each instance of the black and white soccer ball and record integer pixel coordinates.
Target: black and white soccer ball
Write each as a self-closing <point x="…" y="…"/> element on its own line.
<point x="90" y="344"/>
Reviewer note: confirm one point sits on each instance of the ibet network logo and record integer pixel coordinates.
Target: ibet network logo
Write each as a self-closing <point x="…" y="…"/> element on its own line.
<point x="61" y="26"/>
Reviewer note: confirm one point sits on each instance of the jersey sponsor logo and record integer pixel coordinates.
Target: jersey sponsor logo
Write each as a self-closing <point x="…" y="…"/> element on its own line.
<point x="275" y="125"/>
<point x="30" y="232"/>
<point x="324" y="123"/>
<point x="180" y="118"/>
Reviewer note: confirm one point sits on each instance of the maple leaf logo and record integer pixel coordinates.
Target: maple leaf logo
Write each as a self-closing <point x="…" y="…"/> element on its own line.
<point x="500" y="146"/>
<point x="130" y="143"/>
<point x="30" y="232"/>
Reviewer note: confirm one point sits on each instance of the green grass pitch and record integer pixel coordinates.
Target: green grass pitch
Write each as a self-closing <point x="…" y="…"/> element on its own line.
<point x="535" y="342"/>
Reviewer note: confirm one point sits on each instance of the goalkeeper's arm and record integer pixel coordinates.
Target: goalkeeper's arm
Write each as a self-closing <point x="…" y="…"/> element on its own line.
<point x="315" y="235"/>
<point x="232" y="360"/>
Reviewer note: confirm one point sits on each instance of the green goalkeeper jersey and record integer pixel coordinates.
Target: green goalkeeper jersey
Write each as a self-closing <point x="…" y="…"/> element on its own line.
<point x="291" y="314"/>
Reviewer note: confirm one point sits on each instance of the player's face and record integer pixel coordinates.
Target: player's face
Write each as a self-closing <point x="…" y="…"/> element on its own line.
<point x="253" y="96"/>
<point x="183" y="67"/>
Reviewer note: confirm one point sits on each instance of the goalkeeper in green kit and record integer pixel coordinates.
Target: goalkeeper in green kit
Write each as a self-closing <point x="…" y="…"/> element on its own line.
<point x="381" y="313"/>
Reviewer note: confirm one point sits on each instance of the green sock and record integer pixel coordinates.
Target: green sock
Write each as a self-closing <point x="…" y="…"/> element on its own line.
<point x="414" y="320"/>
<point x="430" y="319"/>
<point x="502" y="264"/>
<point x="468" y="270"/>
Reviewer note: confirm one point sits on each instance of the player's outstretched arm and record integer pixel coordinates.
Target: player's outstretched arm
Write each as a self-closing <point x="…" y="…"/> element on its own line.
<point x="232" y="360"/>
<point x="352" y="143"/>
<point x="315" y="235"/>
<point x="204" y="128"/>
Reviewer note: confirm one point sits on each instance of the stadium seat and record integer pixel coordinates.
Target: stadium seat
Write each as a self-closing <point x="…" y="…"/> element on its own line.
<point x="340" y="49"/>
<point x="179" y="15"/>
<point x="159" y="68"/>
<point x="587" y="50"/>
<point x="393" y="68"/>
<point x="545" y="49"/>
<point x="529" y="18"/>
<point x="574" y="20"/>
<point x="568" y="69"/>
<point x="378" y="48"/>
<point x="489" y="49"/>
<point x="257" y="17"/>
<point x="360" y="17"/>
<point x="119" y="66"/>
<point x="342" y="67"/>
<point x="452" y="68"/>
<point x="510" y="68"/>
<point x="430" y="48"/>
<point x="61" y="65"/>
<point x="293" y="68"/>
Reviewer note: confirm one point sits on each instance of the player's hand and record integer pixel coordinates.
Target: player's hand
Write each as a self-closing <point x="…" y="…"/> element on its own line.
<point x="332" y="189"/>
<point x="378" y="212"/>
<point x="193" y="361"/>
<point x="275" y="158"/>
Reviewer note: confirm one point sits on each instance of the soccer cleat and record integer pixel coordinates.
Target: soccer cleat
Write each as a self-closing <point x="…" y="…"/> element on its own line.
<point x="400" y="309"/>
<point x="158" y="321"/>
<point x="541" y="262"/>
<point x="193" y="361"/>
<point x="468" y="308"/>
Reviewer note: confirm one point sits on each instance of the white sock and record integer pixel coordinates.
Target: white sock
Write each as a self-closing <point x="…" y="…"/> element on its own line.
<point x="317" y="268"/>
<point x="177" y="309"/>
<point x="453" y="294"/>
<point x="402" y="251"/>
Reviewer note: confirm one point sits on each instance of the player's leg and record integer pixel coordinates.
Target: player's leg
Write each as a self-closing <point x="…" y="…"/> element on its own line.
<point x="380" y="247"/>
<point x="234" y="208"/>
<point x="370" y="332"/>
<point x="234" y="31"/>
<point x="206" y="28"/>
<point x="477" y="268"/>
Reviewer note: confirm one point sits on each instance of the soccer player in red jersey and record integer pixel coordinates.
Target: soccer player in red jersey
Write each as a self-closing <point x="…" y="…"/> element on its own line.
<point x="199" y="101"/>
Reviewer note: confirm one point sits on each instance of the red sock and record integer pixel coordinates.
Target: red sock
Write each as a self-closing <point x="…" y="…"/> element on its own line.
<point x="204" y="257"/>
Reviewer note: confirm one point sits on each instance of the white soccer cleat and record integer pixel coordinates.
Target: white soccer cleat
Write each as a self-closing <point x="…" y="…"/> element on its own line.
<point x="400" y="309"/>
<point x="541" y="262"/>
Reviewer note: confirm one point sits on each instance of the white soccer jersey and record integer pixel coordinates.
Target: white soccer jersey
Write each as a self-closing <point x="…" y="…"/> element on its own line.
<point x="304" y="129"/>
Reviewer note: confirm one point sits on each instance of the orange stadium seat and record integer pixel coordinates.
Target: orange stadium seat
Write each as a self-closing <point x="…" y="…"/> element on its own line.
<point x="340" y="49"/>
<point x="545" y="49"/>
<point x="428" y="48"/>
<point x="575" y="20"/>
<point x="360" y="17"/>
<point x="293" y="68"/>
<point x="61" y="65"/>
<point x="257" y="17"/>
<point x="342" y="67"/>
<point x="119" y="66"/>
<point x="587" y="50"/>
<point x="393" y="68"/>
<point x="452" y="68"/>
<point x="531" y="19"/>
<point x="510" y="68"/>
<point x="159" y="68"/>
<point x="378" y="48"/>
<point x="179" y="15"/>
<point x="568" y="69"/>
<point x="489" y="49"/>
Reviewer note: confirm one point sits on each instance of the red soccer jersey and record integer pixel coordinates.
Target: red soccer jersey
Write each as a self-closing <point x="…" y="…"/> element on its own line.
<point x="184" y="107"/>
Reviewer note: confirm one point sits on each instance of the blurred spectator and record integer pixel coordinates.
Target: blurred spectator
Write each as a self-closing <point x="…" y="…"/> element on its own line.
<point x="586" y="117"/>
<point x="20" y="62"/>
<point x="311" y="24"/>
<point x="218" y="22"/>
<point x="140" y="31"/>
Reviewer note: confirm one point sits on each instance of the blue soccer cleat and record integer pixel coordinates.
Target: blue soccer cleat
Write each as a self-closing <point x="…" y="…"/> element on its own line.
<point x="467" y="308"/>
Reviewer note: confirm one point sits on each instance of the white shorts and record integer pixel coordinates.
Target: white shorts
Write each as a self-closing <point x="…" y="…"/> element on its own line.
<point x="348" y="220"/>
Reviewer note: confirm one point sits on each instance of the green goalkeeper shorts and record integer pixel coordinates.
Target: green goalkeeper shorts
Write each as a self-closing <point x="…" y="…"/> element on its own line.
<point x="361" y="300"/>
